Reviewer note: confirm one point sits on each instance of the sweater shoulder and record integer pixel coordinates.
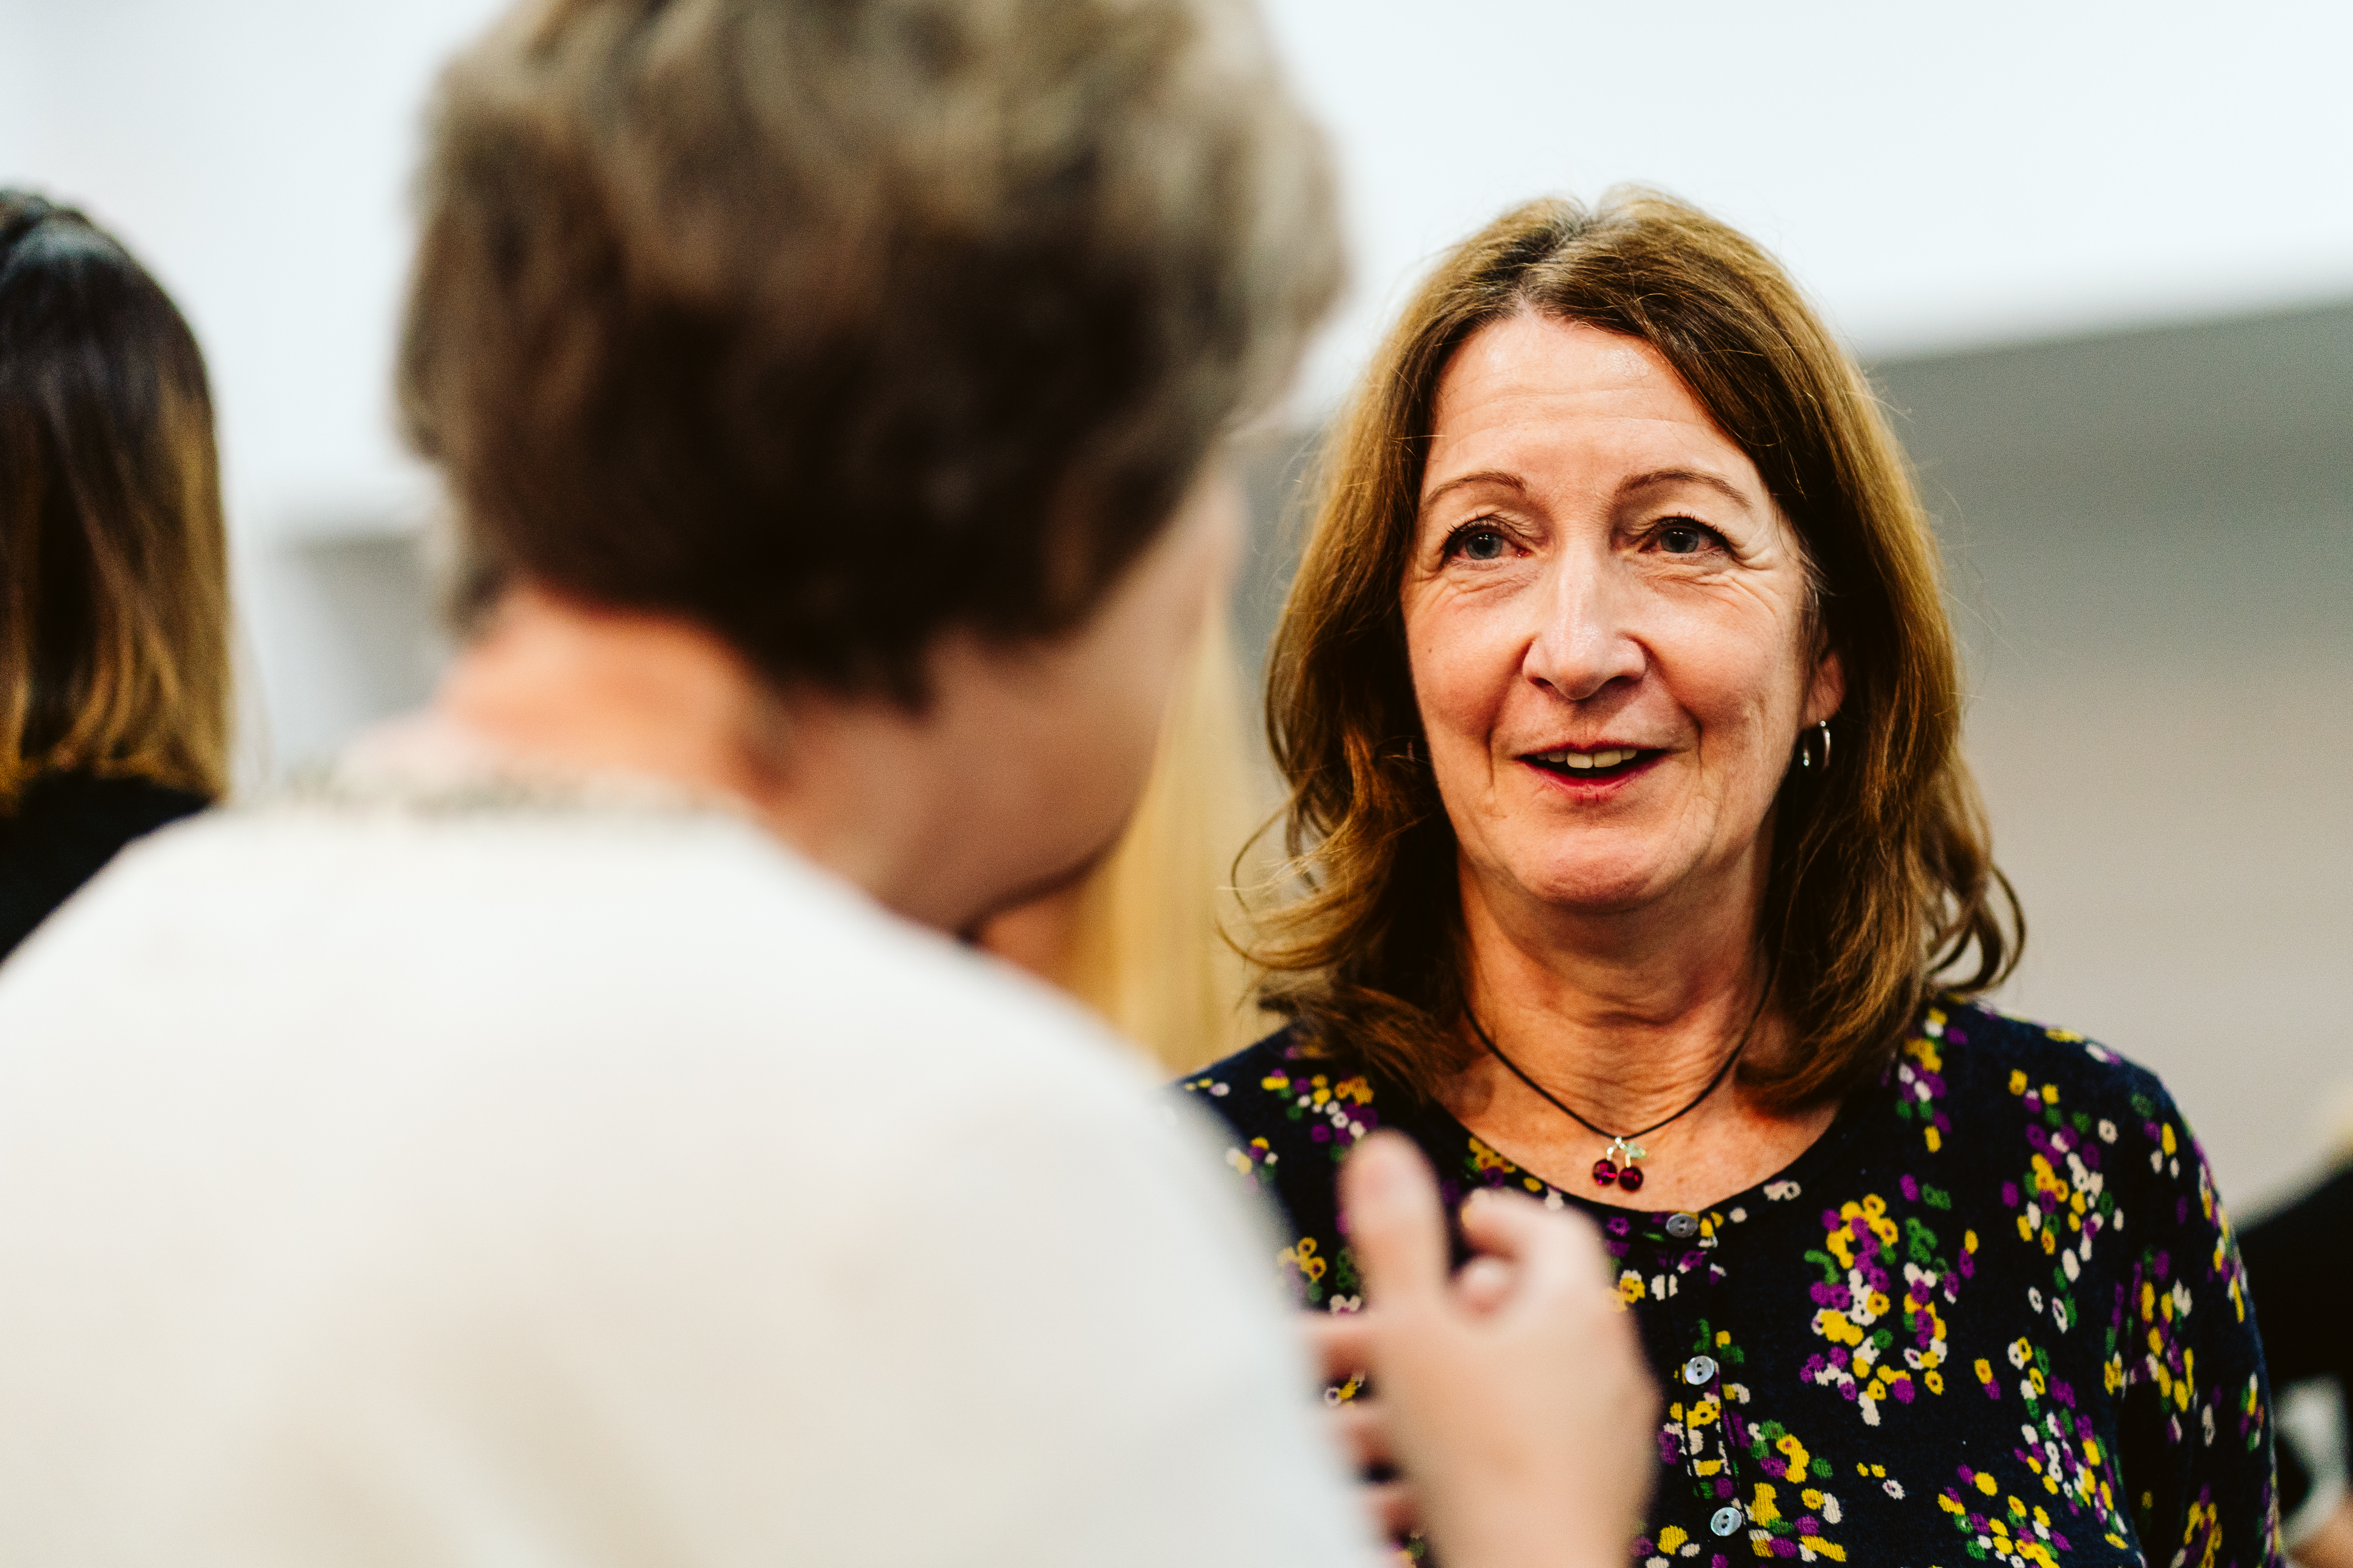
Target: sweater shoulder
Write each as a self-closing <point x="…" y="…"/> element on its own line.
<point x="1282" y="1090"/>
<point x="2084" y="1112"/>
<point x="1985" y="1052"/>
<point x="1289" y="1115"/>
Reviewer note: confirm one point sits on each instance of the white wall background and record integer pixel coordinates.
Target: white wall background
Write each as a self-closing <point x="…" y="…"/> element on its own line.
<point x="256" y="155"/>
<point x="1939" y="174"/>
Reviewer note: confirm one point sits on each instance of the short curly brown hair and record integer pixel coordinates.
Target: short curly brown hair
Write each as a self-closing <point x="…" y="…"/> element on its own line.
<point x="1882" y="879"/>
<point x="831" y="325"/>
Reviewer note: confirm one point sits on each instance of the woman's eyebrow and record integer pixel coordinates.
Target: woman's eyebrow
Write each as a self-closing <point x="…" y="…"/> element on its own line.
<point x="1480" y="476"/>
<point x="1658" y="477"/>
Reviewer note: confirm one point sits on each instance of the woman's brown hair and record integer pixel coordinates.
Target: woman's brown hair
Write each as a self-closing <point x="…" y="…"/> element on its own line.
<point x="1882" y="877"/>
<point x="115" y="642"/>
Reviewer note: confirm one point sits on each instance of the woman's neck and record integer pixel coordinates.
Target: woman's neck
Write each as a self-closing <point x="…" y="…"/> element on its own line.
<point x="1625" y="1020"/>
<point x="1627" y="1011"/>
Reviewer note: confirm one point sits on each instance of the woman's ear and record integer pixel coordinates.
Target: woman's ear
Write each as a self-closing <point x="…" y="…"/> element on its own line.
<point x="1826" y="693"/>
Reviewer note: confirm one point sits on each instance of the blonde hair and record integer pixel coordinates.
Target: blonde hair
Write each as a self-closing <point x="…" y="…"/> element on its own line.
<point x="1142" y="939"/>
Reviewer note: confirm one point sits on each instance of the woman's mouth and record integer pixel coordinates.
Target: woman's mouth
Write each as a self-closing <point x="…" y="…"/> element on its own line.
<point x="1599" y="765"/>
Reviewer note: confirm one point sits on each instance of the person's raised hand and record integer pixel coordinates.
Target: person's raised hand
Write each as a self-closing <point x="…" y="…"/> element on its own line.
<point x="1513" y="1397"/>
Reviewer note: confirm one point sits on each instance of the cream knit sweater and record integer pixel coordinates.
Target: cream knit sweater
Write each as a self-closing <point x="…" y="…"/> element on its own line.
<point x="515" y="1185"/>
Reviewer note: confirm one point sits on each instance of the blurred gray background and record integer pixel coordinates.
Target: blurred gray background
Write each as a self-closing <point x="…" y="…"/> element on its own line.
<point x="2100" y="260"/>
<point x="2151" y="544"/>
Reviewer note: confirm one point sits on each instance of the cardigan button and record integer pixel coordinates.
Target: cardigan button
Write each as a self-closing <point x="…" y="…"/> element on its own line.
<point x="1726" y="1520"/>
<point x="1698" y="1369"/>
<point x="1683" y="1227"/>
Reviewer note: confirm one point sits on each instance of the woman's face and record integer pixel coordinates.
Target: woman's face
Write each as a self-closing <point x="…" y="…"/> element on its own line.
<point x="1606" y="616"/>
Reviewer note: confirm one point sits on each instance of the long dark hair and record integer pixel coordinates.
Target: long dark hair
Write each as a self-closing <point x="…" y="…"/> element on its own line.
<point x="115" y="642"/>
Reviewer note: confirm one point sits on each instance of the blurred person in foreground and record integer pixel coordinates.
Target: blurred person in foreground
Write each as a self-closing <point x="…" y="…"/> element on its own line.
<point x="2300" y="1263"/>
<point x="564" y="1141"/>
<point x="114" y="664"/>
<point x="1146" y="938"/>
<point x="1645" y="876"/>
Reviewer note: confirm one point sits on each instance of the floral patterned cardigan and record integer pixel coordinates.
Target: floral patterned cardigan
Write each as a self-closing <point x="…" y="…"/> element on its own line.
<point x="1995" y="1313"/>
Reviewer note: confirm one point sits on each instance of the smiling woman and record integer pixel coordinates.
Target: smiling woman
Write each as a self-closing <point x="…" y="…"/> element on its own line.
<point x="1613" y="632"/>
<point x="1752" y="486"/>
<point x="1642" y="870"/>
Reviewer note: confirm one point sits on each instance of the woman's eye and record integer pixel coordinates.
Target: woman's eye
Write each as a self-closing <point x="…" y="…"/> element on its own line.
<point x="1684" y="538"/>
<point x="1479" y="545"/>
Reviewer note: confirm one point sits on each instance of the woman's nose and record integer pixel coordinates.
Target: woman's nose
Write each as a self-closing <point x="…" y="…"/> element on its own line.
<point x="1586" y="640"/>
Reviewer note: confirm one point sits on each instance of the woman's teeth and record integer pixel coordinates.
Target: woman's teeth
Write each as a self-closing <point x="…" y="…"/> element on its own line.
<point x="1586" y="762"/>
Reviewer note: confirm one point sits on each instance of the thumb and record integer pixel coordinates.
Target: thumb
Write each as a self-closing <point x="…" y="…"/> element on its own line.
<point x="1396" y="1225"/>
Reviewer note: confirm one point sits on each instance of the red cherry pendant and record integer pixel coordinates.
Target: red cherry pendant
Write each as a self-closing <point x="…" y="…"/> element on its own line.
<point x="1604" y="1173"/>
<point x="1630" y="1178"/>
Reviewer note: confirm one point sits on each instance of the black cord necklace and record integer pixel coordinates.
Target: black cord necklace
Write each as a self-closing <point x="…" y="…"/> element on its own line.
<point x="1615" y="1166"/>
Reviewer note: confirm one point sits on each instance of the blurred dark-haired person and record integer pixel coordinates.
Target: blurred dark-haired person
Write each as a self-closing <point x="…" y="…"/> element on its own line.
<point x="114" y="665"/>
<point x="1645" y="876"/>
<point x="578" y="1138"/>
<point x="2300" y="1265"/>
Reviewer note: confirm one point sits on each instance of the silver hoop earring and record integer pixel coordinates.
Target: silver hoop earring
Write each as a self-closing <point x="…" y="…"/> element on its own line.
<point x="1806" y="748"/>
